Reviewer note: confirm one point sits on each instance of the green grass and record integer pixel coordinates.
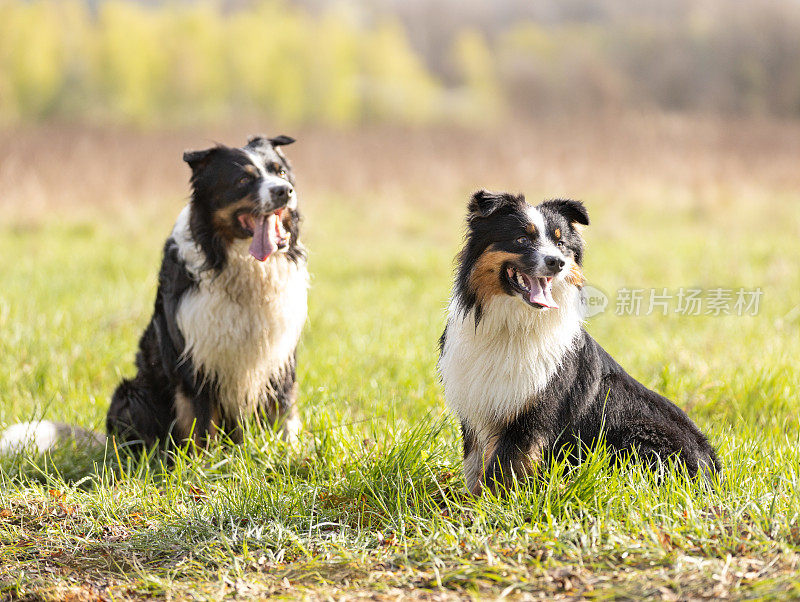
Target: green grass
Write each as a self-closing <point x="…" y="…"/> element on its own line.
<point x="372" y="499"/>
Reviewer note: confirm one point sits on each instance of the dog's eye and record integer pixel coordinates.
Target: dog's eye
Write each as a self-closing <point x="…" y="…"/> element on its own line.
<point x="278" y="169"/>
<point x="245" y="180"/>
<point x="523" y="240"/>
<point x="560" y="244"/>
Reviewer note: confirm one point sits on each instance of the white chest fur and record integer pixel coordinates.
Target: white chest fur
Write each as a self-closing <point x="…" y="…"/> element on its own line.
<point x="242" y="325"/>
<point x="494" y="371"/>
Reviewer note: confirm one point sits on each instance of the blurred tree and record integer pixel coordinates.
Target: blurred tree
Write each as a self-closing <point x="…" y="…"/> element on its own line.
<point x="335" y="71"/>
<point x="32" y="59"/>
<point x="395" y="84"/>
<point x="266" y="54"/>
<point x="343" y="63"/>
<point x="481" y="95"/>
<point x="131" y="72"/>
<point x="193" y="55"/>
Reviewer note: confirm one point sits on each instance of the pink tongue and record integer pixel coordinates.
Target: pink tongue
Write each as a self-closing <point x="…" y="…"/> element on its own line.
<point x="540" y="291"/>
<point x="263" y="246"/>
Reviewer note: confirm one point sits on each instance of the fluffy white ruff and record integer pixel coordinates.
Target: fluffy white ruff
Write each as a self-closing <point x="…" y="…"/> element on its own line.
<point x="241" y="326"/>
<point x="496" y="370"/>
<point x="44" y="435"/>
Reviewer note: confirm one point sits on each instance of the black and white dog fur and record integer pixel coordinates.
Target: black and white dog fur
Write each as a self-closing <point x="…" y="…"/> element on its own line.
<point x="519" y="370"/>
<point x="230" y="307"/>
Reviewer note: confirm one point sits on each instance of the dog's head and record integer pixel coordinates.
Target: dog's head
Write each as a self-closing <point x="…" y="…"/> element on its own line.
<point x="243" y="193"/>
<point x="513" y="248"/>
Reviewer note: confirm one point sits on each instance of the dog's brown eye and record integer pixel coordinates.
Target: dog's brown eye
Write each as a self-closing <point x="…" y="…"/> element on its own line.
<point x="523" y="240"/>
<point x="559" y="243"/>
<point x="245" y="180"/>
<point x="282" y="173"/>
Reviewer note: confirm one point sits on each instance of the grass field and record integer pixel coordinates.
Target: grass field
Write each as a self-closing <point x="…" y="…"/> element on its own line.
<point x="370" y="503"/>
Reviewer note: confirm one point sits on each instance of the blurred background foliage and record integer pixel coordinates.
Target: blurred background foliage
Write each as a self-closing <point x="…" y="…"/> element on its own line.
<point x="412" y="62"/>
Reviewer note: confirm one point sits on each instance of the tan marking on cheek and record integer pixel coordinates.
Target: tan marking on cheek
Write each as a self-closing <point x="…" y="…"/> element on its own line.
<point x="485" y="277"/>
<point x="287" y="222"/>
<point x="576" y="276"/>
<point x="223" y="218"/>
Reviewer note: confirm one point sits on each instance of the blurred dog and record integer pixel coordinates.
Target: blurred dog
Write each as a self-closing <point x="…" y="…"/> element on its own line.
<point x="519" y="370"/>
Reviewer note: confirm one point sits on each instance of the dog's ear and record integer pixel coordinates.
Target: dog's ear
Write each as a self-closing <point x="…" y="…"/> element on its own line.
<point x="483" y="203"/>
<point x="281" y="140"/>
<point x="574" y="211"/>
<point x="263" y="143"/>
<point x="197" y="158"/>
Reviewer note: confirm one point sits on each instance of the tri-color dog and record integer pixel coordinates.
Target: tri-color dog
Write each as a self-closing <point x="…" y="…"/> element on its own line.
<point x="230" y="306"/>
<point x="231" y="303"/>
<point x="524" y="377"/>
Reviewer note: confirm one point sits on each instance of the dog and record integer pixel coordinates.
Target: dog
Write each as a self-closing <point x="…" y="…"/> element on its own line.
<point x="519" y="370"/>
<point x="230" y="306"/>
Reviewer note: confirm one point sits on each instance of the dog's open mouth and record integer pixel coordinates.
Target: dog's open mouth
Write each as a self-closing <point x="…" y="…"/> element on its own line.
<point x="268" y="232"/>
<point x="535" y="290"/>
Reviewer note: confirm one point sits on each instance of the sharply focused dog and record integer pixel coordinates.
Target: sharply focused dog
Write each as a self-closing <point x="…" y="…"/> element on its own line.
<point x="231" y="303"/>
<point x="524" y="377"/>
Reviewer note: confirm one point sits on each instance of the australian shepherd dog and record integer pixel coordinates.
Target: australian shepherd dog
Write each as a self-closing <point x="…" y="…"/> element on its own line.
<point x="523" y="376"/>
<point x="231" y="303"/>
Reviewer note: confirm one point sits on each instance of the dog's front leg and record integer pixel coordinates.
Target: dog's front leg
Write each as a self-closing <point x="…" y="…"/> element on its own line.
<point x="512" y="455"/>
<point x="493" y="458"/>
<point x="278" y="410"/>
<point x="196" y="416"/>
<point x="474" y="459"/>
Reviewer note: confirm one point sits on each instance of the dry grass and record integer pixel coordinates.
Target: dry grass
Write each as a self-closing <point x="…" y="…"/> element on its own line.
<point x="622" y="159"/>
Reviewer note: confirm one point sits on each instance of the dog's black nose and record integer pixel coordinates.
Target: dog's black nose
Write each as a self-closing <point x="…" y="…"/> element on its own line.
<point x="553" y="262"/>
<point x="280" y="193"/>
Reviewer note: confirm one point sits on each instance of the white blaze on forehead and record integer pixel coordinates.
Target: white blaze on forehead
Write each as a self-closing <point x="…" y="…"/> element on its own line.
<point x="268" y="181"/>
<point x="536" y="218"/>
<point x="257" y="162"/>
<point x="547" y="244"/>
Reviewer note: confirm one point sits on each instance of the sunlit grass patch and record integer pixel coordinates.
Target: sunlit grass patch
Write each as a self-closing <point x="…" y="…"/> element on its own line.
<point x="372" y="499"/>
